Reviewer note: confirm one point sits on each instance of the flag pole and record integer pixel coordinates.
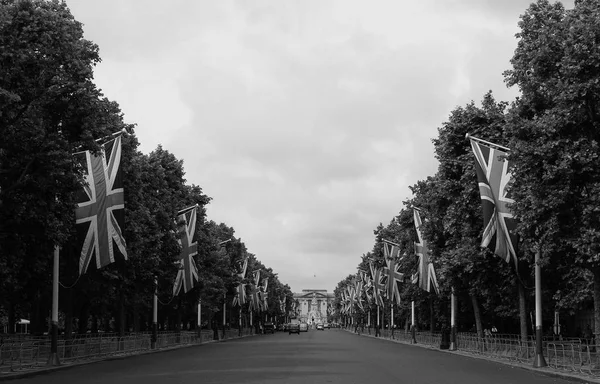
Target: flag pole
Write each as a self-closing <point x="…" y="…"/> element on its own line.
<point x="496" y="146"/>
<point x="154" y="337"/>
<point x="184" y="210"/>
<point x="452" y="321"/>
<point x="377" y="329"/>
<point x="53" y="358"/>
<point x="200" y="319"/>
<point x="240" y="320"/>
<point x="539" y="361"/>
<point x="412" y="326"/>
<point x="392" y="317"/>
<point x="390" y="242"/>
<point x="224" y="312"/>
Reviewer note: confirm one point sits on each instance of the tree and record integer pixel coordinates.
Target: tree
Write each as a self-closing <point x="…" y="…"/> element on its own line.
<point x="472" y="271"/>
<point x="49" y="108"/>
<point x="554" y="132"/>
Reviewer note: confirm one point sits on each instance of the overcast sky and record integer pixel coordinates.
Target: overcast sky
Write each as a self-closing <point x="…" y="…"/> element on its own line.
<point x="306" y="121"/>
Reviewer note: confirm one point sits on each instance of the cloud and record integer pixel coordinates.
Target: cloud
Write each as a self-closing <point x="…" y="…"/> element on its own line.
<point x="307" y="121"/>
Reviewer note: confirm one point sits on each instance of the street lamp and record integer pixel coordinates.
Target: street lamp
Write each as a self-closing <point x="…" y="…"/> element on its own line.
<point x="224" y="294"/>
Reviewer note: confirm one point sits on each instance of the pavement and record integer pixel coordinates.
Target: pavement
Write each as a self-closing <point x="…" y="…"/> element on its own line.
<point x="330" y="356"/>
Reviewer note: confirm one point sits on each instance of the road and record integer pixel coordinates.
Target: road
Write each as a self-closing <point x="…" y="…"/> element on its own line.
<point x="330" y="356"/>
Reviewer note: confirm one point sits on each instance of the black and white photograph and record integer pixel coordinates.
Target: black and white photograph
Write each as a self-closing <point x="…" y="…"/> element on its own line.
<point x="299" y="191"/>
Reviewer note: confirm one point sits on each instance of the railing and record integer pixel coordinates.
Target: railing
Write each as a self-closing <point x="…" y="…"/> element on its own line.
<point x="508" y="347"/>
<point x="575" y="356"/>
<point x="17" y="354"/>
<point x="424" y="338"/>
<point x="566" y="354"/>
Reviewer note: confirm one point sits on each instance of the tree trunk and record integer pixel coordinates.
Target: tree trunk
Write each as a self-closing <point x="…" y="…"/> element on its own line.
<point x="477" y="314"/>
<point x="38" y="321"/>
<point x="522" y="311"/>
<point x="11" y="318"/>
<point x="431" y="316"/>
<point x="121" y="314"/>
<point x="94" y="329"/>
<point x="213" y="325"/>
<point x="68" y="309"/>
<point x="596" y="273"/>
<point x="121" y="320"/>
<point x="178" y="321"/>
<point x="84" y="314"/>
<point x="136" y="318"/>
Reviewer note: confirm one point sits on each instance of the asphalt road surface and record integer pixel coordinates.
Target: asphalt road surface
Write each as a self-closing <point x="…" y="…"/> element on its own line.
<point x="329" y="356"/>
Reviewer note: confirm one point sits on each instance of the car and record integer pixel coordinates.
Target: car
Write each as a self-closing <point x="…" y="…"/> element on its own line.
<point x="326" y="325"/>
<point x="293" y="328"/>
<point x="286" y="327"/>
<point x="269" y="327"/>
<point x="280" y="327"/>
<point x="320" y="327"/>
<point x="303" y="327"/>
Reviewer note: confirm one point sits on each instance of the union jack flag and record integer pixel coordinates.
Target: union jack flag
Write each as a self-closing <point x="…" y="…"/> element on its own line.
<point x="99" y="214"/>
<point x="379" y="283"/>
<point x="345" y="301"/>
<point x="498" y="220"/>
<point x="240" y="295"/>
<point x="392" y="271"/>
<point x="293" y="307"/>
<point x="367" y="285"/>
<point x="358" y="292"/>
<point x="282" y="304"/>
<point x="425" y="275"/>
<point x="264" y="295"/>
<point x="188" y="272"/>
<point x="255" y="302"/>
<point x="242" y="266"/>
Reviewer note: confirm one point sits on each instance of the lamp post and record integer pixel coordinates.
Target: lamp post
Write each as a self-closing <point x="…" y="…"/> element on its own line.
<point x="53" y="359"/>
<point x="225" y="293"/>
<point x="154" y="337"/>
<point x="453" y="321"/>
<point x="412" y="327"/>
<point x="539" y="360"/>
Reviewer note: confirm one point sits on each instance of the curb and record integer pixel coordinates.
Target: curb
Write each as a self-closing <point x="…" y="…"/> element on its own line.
<point x="45" y="369"/>
<point x="544" y="371"/>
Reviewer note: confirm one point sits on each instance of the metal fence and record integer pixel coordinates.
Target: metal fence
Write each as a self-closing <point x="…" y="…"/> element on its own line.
<point x="425" y="338"/>
<point x="25" y="353"/>
<point x="568" y="354"/>
<point x="575" y="355"/>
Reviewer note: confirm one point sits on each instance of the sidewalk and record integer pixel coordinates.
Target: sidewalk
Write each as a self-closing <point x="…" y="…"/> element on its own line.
<point x="548" y="371"/>
<point x="40" y="370"/>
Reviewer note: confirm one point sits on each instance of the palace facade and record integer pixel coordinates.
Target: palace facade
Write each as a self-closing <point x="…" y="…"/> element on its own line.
<point x="313" y="304"/>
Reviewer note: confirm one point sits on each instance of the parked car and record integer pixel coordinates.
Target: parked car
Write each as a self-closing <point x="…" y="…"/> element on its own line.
<point x="303" y="327"/>
<point x="280" y="327"/>
<point x="269" y="327"/>
<point x="286" y="327"/>
<point x="326" y="325"/>
<point x="293" y="328"/>
<point x="320" y="327"/>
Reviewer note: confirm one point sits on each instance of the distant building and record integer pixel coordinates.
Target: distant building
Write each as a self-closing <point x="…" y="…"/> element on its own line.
<point x="313" y="304"/>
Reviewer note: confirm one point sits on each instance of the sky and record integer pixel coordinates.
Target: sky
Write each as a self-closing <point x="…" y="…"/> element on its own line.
<point x="305" y="121"/>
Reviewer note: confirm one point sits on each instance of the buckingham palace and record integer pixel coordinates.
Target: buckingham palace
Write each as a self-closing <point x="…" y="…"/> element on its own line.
<point x="313" y="304"/>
